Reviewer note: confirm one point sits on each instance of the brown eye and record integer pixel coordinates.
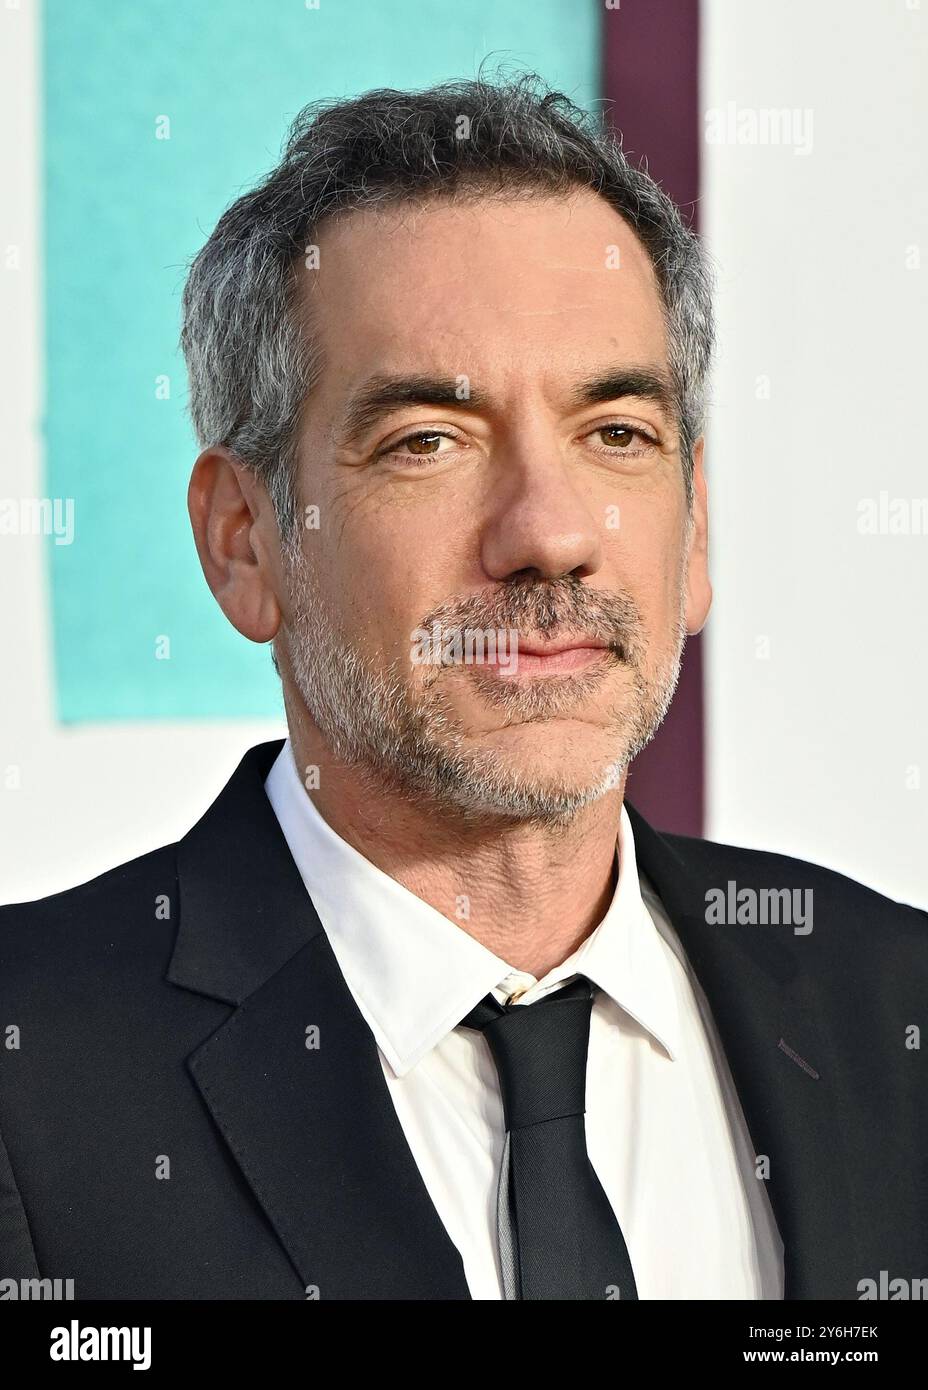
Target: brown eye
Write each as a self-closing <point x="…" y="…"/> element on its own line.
<point x="422" y="443"/>
<point x="624" y="446"/>
<point x="418" y="450"/>
<point x="617" y="435"/>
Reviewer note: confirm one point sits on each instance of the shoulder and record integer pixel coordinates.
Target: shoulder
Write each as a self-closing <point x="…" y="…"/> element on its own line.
<point x="128" y="907"/>
<point x="836" y="904"/>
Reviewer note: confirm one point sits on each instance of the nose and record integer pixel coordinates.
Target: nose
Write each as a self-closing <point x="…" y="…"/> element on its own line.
<point x="539" y="522"/>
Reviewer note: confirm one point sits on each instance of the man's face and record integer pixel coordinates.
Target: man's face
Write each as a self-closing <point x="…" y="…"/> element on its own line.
<point x="471" y="479"/>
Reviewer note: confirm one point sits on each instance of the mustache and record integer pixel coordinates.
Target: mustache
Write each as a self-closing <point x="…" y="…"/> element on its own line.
<point x="548" y="608"/>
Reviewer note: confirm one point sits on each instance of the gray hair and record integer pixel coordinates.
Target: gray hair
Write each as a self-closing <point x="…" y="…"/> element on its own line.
<point x="250" y="356"/>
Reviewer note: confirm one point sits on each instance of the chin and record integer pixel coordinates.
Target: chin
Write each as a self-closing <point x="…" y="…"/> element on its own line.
<point x="542" y="790"/>
<point x="567" y="748"/>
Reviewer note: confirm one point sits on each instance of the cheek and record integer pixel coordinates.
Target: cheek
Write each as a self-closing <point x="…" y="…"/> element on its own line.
<point x="646" y="564"/>
<point x="394" y="555"/>
<point x="380" y="590"/>
<point x="646" y="555"/>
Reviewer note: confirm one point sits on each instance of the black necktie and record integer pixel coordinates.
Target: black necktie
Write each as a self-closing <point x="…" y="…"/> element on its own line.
<point x="558" y="1235"/>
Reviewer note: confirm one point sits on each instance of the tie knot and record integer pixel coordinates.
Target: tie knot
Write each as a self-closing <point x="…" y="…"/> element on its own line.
<point x="540" y="1051"/>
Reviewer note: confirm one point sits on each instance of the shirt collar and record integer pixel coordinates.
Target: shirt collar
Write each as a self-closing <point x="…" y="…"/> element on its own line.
<point x="415" y="974"/>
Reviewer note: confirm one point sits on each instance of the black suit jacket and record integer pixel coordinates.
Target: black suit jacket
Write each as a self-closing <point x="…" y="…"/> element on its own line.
<point x="162" y="1011"/>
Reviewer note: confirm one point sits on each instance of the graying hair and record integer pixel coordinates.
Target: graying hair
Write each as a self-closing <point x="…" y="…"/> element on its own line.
<point x="250" y="354"/>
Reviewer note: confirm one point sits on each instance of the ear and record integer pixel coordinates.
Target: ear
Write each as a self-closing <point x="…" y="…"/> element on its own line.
<point x="698" y="587"/>
<point x="236" y="539"/>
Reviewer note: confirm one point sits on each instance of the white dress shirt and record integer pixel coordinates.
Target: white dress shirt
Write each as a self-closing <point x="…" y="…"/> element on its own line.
<point x="665" y="1131"/>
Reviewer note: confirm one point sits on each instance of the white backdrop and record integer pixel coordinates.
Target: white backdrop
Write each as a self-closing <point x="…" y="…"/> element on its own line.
<point x="817" y="647"/>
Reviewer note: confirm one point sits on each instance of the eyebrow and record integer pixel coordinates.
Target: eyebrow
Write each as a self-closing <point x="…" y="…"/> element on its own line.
<point x="647" y="383"/>
<point x="382" y="394"/>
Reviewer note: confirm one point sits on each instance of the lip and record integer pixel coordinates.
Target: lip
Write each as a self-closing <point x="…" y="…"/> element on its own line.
<point x="552" y="659"/>
<point x="555" y="648"/>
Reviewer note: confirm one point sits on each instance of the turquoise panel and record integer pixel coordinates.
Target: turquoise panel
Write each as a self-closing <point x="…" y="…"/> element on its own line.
<point x="123" y="212"/>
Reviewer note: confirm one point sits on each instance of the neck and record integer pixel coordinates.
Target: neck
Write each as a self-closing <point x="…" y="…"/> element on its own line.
<point x="530" y="893"/>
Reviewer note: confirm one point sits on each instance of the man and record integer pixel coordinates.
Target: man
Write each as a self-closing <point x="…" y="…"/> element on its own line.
<point x="420" y="1008"/>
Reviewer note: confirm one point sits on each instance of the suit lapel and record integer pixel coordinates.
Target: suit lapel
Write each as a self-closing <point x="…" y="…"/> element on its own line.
<point x="315" y="1133"/>
<point x="773" y="1024"/>
<point x="312" y="1127"/>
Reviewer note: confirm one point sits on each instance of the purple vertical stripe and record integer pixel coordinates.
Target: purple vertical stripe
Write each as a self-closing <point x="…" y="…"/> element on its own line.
<point x="651" y="87"/>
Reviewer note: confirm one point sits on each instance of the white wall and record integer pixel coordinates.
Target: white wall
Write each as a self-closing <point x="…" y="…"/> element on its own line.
<point x="73" y="802"/>
<point x="819" y="747"/>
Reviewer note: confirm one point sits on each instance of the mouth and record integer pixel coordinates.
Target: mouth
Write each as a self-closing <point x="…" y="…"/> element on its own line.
<point x="565" y="657"/>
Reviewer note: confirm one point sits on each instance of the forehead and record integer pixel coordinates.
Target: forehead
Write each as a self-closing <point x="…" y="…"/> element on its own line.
<point x="523" y="285"/>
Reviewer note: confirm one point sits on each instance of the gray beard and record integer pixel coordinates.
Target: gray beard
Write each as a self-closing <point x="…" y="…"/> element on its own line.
<point x="412" y="742"/>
